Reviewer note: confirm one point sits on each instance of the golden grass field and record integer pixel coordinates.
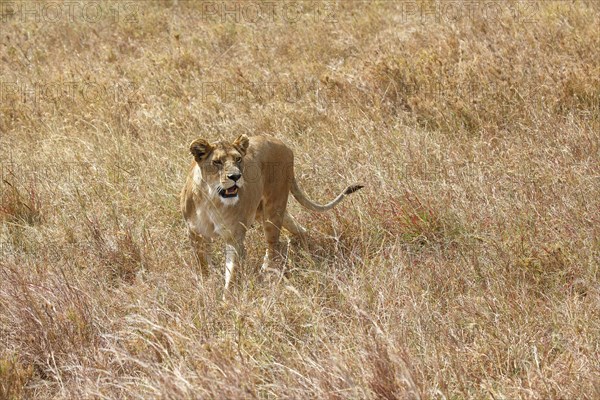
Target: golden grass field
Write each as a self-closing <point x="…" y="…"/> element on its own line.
<point x="467" y="268"/>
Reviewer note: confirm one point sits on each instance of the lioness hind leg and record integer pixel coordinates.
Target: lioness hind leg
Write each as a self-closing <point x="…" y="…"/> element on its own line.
<point x="272" y="223"/>
<point x="293" y="226"/>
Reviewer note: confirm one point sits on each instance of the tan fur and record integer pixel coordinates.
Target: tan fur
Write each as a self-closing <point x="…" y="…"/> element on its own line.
<point x="266" y="166"/>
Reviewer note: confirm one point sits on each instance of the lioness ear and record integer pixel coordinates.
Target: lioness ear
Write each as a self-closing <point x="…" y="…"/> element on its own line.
<point x="241" y="144"/>
<point x="200" y="149"/>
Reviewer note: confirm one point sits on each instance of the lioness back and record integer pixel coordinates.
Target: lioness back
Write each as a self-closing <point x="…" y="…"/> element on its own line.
<point x="273" y="161"/>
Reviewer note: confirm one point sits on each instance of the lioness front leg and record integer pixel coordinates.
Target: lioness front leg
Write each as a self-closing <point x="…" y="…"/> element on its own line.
<point x="201" y="247"/>
<point x="234" y="256"/>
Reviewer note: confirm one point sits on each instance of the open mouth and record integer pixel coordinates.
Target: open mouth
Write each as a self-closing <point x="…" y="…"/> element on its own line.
<point x="231" y="192"/>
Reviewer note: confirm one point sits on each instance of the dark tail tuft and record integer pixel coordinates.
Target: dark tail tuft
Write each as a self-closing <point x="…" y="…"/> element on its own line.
<point x="352" y="189"/>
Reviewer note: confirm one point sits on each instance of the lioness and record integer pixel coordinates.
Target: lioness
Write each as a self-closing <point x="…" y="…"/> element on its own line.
<point x="231" y="184"/>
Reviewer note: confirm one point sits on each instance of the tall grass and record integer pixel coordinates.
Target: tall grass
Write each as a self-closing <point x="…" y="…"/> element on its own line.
<point x="467" y="268"/>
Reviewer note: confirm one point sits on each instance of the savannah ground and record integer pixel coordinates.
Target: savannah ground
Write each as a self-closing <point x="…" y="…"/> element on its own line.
<point x="468" y="267"/>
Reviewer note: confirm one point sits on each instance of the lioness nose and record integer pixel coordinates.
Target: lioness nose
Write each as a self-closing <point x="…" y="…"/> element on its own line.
<point x="234" y="177"/>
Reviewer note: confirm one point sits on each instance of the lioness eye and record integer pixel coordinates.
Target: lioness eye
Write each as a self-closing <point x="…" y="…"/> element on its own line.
<point x="217" y="163"/>
<point x="238" y="160"/>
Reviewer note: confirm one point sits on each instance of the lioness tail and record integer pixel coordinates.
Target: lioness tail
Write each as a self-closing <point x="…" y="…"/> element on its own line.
<point x="311" y="205"/>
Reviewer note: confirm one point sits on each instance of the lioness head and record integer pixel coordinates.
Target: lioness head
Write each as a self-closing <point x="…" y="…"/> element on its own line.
<point x="221" y="165"/>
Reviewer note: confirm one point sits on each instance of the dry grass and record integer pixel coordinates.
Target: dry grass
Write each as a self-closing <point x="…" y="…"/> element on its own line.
<point x="467" y="268"/>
